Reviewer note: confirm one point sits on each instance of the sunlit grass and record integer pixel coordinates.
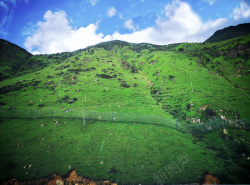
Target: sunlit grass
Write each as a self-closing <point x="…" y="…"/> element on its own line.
<point x="35" y="148"/>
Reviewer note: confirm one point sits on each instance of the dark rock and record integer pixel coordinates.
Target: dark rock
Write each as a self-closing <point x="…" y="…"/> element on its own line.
<point x="71" y="101"/>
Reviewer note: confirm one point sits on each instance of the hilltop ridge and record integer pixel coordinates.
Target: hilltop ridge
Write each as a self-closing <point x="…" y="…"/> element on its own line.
<point x="230" y="32"/>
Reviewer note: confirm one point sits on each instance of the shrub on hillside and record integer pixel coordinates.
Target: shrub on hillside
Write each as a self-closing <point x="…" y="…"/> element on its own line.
<point x="104" y="76"/>
<point x="209" y="113"/>
<point x="66" y="97"/>
<point x="171" y="77"/>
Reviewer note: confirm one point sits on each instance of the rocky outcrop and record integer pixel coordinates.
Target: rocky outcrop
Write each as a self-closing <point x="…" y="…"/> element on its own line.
<point x="208" y="178"/>
<point x="70" y="178"/>
<point x="239" y="50"/>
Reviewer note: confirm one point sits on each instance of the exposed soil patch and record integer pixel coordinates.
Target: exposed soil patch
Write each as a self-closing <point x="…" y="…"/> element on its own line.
<point x="70" y="178"/>
<point x="207" y="178"/>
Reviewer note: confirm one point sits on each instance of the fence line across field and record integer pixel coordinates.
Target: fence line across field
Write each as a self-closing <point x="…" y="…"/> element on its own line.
<point x="84" y="114"/>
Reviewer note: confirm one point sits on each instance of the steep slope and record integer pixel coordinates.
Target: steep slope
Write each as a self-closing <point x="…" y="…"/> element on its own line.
<point x="230" y="32"/>
<point x="190" y="82"/>
<point x="11" y="58"/>
<point x="16" y="61"/>
<point x="96" y="72"/>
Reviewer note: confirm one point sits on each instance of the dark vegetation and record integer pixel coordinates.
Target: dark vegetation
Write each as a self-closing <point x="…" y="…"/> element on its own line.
<point x="230" y="32"/>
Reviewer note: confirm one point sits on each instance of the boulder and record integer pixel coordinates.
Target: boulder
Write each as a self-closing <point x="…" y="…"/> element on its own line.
<point x="55" y="180"/>
<point x="71" y="176"/>
<point x="71" y="101"/>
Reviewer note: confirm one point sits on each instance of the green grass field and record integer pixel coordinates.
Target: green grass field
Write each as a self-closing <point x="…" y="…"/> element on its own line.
<point x="135" y="152"/>
<point x="122" y="152"/>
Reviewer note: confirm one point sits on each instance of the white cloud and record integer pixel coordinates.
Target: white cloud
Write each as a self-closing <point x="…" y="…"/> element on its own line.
<point x="29" y="29"/>
<point x="2" y="24"/>
<point x="6" y="16"/>
<point x="129" y="24"/>
<point x="56" y="35"/>
<point x="12" y="1"/>
<point x="179" y="24"/>
<point x="111" y="12"/>
<point x="211" y="2"/>
<point x="120" y="16"/>
<point x="142" y="36"/>
<point x="93" y="2"/>
<point x="3" y="5"/>
<point x="6" y="3"/>
<point x="241" y="12"/>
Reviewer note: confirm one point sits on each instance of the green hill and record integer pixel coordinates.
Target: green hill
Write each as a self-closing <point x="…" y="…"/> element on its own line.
<point x="194" y="84"/>
<point x="15" y="61"/>
<point x="230" y="32"/>
<point x="176" y="81"/>
<point x="11" y="58"/>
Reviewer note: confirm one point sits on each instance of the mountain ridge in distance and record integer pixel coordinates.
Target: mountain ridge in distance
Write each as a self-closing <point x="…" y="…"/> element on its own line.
<point x="230" y="32"/>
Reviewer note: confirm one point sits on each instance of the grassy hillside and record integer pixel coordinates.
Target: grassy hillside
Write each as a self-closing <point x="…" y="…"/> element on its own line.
<point x="16" y="61"/>
<point x="184" y="81"/>
<point x="230" y="33"/>
<point x="189" y="82"/>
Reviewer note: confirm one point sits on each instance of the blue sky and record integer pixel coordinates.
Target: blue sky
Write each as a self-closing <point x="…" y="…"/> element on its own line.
<point x="52" y="26"/>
